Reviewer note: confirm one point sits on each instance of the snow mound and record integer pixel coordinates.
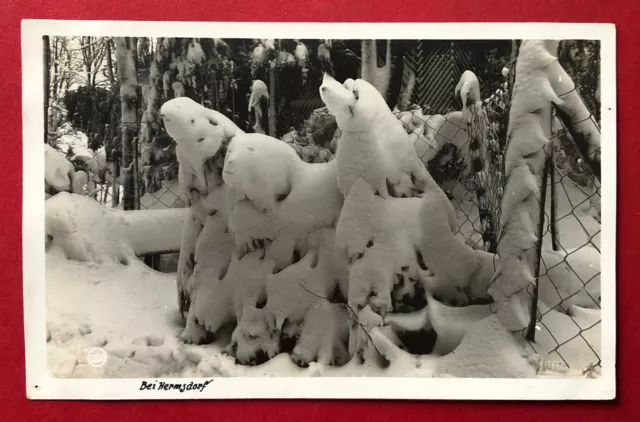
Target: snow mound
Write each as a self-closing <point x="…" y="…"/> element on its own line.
<point x="85" y="230"/>
<point x="452" y="323"/>
<point x="571" y="278"/>
<point x="58" y="171"/>
<point x="279" y="198"/>
<point x="486" y="350"/>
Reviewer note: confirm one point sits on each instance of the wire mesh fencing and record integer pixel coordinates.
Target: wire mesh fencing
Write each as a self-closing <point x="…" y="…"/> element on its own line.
<point x="153" y="170"/>
<point x="566" y="299"/>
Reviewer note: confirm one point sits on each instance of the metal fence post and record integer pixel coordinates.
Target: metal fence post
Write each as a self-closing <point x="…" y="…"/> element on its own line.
<point x="531" y="329"/>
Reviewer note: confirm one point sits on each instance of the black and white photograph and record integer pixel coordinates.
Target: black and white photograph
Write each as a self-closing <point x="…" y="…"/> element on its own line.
<point x="362" y="215"/>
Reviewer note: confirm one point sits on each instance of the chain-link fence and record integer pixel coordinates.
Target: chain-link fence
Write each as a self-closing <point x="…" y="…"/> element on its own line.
<point x="153" y="166"/>
<point x="566" y="296"/>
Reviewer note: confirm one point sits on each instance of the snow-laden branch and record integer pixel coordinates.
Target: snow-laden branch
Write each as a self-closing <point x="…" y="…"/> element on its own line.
<point x="526" y="155"/>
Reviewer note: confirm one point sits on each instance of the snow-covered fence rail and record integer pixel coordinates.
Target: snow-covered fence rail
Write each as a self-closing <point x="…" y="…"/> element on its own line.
<point x="155" y="231"/>
<point x="89" y="231"/>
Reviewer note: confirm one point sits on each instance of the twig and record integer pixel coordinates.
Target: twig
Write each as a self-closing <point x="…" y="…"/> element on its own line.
<point x="85" y="46"/>
<point x="355" y="316"/>
<point x="352" y="53"/>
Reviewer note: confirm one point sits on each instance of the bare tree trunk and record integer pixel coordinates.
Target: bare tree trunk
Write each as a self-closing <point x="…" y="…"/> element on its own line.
<point x="125" y="53"/>
<point x="55" y="57"/>
<point x="116" y="156"/>
<point x="113" y="49"/>
<point x="397" y="73"/>
<point x="46" y="82"/>
<point x="215" y="103"/>
<point x="85" y="43"/>
<point x="377" y="76"/>
<point x="138" y="109"/>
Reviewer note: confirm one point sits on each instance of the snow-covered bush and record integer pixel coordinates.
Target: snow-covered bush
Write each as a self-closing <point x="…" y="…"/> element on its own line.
<point x="273" y="206"/>
<point x="274" y="211"/>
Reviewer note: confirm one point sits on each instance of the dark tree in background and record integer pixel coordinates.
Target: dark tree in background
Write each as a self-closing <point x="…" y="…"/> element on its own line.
<point x="89" y="110"/>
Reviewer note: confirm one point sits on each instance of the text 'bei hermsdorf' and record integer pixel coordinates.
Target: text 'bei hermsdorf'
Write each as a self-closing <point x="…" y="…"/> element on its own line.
<point x="181" y="387"/>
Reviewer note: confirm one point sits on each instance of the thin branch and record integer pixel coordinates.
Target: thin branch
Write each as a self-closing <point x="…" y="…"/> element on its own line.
<point x="355" y="316"/>
<point x="83" y="47"/>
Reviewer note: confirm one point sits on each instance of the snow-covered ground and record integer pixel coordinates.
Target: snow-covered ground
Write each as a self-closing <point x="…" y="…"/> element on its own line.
<point x="131" y="312"/>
